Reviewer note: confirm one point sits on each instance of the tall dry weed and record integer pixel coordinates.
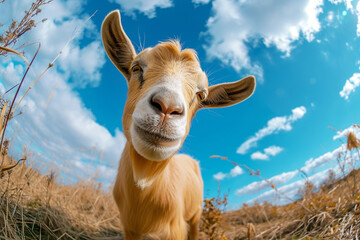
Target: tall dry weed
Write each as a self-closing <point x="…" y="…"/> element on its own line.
<point x="212" y="221"/>
<point x="18" y="28"/>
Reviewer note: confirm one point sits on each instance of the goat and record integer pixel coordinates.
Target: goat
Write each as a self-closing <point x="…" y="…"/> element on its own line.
<point x="156" y="191"/>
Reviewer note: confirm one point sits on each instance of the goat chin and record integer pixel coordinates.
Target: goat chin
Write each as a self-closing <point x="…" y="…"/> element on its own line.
<point x="153" y="151"/>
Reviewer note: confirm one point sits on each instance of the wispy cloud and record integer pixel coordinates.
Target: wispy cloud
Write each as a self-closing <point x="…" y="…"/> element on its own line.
<point x="147" y="7"/>
<point x="235" y="24"/>
<point x="259" y="156"/>
<point x="313" y="164"/>
<point x="270" y="151"/>
<point x="358" y="16"/>
<point x="200" y="1"/>
<point x="220" y="176"/>
<point x="273" y="126"/>
<point x="347" y="3"/>
<point x="291" y="190"/>
<point x="350" y="7"/>
<point x="277" y="180"/>
<point x="273" y="150"/>
<point x="233" y="173"/>
<point x="310" y="166"/>
<point x="341" y="134"/>
<point x="350" y="85"/>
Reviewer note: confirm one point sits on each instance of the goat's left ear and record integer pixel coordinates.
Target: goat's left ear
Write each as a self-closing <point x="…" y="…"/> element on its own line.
<point x="227" y="94"/>
<point x="117" y="44"/>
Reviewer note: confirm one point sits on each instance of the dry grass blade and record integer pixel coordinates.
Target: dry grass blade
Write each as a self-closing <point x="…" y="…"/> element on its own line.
<point x="2" y="115"/>
<point x="255" y="173"/>
<point x="6" y="49"/>
<point x="352" y="142"/>
<point x="251" y="231"/>
<point x="9" y="167"/>
<point x="9" y="90"/>
<point x="10" y="113"/>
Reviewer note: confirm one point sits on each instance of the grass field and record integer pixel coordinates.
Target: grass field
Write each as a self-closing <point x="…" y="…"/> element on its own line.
<point x="35" y="206"/>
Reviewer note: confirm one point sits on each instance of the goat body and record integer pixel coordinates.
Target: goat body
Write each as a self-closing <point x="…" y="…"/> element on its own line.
<point x="157" y="192"/>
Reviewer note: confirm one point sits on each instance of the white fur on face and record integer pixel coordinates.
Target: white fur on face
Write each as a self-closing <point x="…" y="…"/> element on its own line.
<point x="151" y="138"/>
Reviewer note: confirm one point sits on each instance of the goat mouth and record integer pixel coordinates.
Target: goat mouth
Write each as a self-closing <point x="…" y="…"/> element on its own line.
<point x="156" y="139"/>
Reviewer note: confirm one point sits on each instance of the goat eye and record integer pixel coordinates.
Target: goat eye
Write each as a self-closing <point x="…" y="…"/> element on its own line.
<point x="136" y="69"/>
<point x="201" y="95"/>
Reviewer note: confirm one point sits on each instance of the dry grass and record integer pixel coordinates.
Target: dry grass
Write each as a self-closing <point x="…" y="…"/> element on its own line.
<point x="18" y="28"/>
<point x="212" y="220"/>
<point x="34" y="206"/>
<point x="331" y="213"/>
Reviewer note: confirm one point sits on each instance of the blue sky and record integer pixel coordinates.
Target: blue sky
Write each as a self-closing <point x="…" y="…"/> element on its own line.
<point x="304" y="54"/>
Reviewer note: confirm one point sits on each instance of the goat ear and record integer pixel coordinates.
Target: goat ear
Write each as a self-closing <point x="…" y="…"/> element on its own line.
<point x="117" y="44"/>
<point x="227" y="94"/>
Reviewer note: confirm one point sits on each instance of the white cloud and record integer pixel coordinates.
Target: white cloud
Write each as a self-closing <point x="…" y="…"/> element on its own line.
<point x="347" y="3"/>
<point x="11" y="73"/>
<point x="237" y="25"/>
<point x="349" y="6"/>
<point x="310" y="166"/>
<point x="270" y="151"/>
<point x="277" y="180"/>
<point x="233" y="173"/>
<point x="273" y="150"/>
<point x="354" y="129"/>
<point x="287" y="193"/>
<point x="259" y="156"/>
<point x="350" y="85"/>
<point x="148" y="7"/>
<point x="330" y="17"/>
<point x="313" y="164"/>
<point x="220" y="176"/>
<point x="201" y="1"/>
<point x="2" y="89"/>
<point x="297" y="113"/>
<point x="236" y="171"/>
<point x="274" y="126"/>
<point x="63" y="134"/>
<point x="358" y="16"/>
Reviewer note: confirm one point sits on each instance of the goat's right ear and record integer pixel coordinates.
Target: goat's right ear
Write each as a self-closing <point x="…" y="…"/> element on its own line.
<point x="117" y="44"/>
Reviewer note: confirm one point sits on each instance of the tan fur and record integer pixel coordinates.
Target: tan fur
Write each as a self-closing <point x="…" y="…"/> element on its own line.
<point x="162" y="197"/>
<point x="166" y="207"/>
<point x="174" y="200"/>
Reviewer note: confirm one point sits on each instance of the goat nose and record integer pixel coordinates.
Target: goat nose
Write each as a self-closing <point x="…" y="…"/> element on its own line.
<point x="167" y="106"/>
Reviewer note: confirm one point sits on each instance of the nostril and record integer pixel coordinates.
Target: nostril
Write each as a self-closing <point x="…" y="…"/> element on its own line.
<point x="175" y="111"/>
<point x="157" y="104"/>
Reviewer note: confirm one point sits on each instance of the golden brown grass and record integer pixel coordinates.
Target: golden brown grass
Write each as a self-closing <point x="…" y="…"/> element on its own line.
<point x="331" y="213"/>
<point x="212" y="220"/>
<point x="34" y="206"/>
